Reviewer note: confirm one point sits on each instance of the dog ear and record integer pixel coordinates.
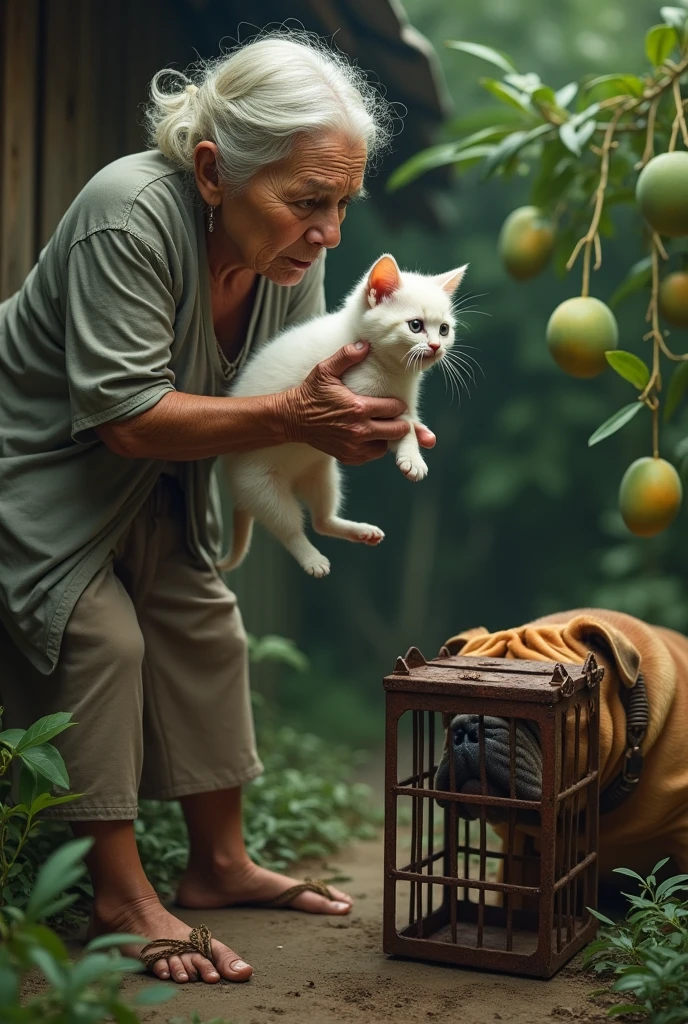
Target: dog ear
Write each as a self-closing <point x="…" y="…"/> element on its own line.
<point x="598" y="635"/>
<point x="456" y="643"/>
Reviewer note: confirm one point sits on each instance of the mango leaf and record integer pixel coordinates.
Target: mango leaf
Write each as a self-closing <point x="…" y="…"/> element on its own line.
<point x="528" y="83"/>
<point x="47" y="761"/>
<point x="566" y="94"/>
<point x="623" y="85"/>
<point x="630" y="367"/>
<point x="436" y="156"/>
<point x="512" y="97"/>
<point x="660" y="40"/>
<point x="483" y="117"/>
<point x="49" y="940"/>
<point x="615" y="422"/>
<point x="45" y="729"/>
<point x="31" y="786"/>
<point x="500" y="60"/>
<point x="638" y="277"/>
<point x="576" y="138"/>
<point x="676" y="390"/>
<point x="511" y="145"/>
<point x="675" y="16"/>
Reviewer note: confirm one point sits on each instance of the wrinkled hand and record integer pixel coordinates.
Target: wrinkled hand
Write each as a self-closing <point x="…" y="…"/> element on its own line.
<point x="323" y="413"/>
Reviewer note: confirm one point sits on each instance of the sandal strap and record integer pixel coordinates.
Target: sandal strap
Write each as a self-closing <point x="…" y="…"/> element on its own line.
<point x="199" y="941"/>
<point x="308" y="885"/>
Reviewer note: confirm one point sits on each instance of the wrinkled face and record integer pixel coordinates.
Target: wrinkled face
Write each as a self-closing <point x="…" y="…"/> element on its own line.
<point x="292" y="210"/>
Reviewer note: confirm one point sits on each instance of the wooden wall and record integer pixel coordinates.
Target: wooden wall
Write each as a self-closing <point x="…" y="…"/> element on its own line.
<point x="74" y="76"/>
<point x="73" y="79"/>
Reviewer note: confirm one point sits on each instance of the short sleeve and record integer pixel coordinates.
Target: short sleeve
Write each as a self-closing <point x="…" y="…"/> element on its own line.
<point x="119" y="328"/>
<point x="308" y="298"/>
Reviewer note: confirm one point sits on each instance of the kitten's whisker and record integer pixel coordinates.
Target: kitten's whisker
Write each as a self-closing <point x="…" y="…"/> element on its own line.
<point x="465" y="360"/>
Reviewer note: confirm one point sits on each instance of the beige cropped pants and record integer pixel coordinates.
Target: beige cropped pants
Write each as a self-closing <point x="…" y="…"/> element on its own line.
<point x="154" y="669"/>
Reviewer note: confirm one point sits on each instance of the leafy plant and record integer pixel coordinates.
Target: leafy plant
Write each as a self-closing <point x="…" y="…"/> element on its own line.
<point x="40" y="768"/>
<point x="592" y="145"/>
<point x="87" y="991"/>
<point x="648" y="950"/>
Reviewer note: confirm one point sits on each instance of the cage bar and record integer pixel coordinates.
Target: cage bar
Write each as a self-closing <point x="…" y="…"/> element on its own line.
<point x="516" y="873"/>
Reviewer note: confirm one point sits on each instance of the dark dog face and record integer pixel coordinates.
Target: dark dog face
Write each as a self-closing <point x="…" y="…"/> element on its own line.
<point x="464" y="749"/>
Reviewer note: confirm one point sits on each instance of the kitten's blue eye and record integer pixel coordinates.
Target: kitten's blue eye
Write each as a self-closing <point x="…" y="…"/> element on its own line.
<point x="444" y="330"/>
<point x="416" y="326"/>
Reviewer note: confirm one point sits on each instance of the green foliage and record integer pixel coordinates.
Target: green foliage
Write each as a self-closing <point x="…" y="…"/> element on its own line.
<point x="615" y="422"/>
<point x="648" y="950"/>
<point x="40" y="767"/>
<point x="87" y="991"/>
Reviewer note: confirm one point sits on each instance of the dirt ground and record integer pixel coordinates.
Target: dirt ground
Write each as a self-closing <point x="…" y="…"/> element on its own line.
<point x="332" y="971"/>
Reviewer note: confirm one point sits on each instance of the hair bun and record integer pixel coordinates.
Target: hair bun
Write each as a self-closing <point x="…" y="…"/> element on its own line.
<point x="192" y="89"/>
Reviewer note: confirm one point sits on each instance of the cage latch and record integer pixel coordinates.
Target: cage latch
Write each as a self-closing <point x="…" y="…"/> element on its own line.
<point x="592" y="671"/>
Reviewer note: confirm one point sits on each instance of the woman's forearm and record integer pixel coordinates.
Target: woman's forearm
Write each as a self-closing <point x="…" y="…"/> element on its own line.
<point x="183" y="427"/>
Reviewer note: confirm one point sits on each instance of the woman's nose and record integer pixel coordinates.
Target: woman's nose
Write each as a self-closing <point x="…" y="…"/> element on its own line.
<point x="327" y="233"/>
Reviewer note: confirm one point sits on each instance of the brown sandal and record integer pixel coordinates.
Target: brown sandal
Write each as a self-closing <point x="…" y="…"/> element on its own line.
<point x="286" y="898"/>
<point x="199" y="941"/>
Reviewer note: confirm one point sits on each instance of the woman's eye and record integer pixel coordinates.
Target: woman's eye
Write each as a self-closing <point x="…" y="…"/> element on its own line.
<point x="306" y="204"/>
<point x="444" y="330"/>
<point x="416" y="326"/>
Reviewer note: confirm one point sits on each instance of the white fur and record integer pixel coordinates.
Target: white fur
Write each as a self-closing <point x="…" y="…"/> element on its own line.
<point x="266" y="484"/>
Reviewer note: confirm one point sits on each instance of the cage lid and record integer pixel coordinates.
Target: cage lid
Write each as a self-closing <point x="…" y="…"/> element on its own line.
<point x="497" y="678"/>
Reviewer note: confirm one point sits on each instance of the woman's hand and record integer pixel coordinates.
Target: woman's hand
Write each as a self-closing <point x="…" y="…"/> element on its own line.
<point x="323" y="413"/>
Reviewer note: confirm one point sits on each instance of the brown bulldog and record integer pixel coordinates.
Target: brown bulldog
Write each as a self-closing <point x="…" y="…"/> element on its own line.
<point x="653" y="821"/>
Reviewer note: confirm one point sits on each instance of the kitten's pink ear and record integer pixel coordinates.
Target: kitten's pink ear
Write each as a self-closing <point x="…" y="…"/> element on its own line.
<point x="450" y="281"/>
<point x="383" y="280"/>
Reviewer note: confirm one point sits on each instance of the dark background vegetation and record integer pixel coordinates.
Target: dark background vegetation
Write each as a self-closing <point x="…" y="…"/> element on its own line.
<point x="517" y="517"/>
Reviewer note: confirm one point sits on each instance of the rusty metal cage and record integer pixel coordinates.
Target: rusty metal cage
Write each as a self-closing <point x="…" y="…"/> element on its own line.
<point x="478" y="878"/>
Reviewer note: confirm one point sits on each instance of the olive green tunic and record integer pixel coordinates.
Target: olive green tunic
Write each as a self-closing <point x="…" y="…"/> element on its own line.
<point x="115" y="314"/>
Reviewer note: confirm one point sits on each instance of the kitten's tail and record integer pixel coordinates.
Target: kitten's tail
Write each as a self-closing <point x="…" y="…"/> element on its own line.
<point x="241" y="540"/>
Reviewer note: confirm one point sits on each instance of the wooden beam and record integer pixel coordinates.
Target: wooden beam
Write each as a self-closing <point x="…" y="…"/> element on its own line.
<point x="18" y="113"/>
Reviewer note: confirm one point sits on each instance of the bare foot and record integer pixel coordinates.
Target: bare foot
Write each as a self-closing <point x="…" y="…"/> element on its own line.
<point x="247" y="883"/>
<point x="146" y="916"/>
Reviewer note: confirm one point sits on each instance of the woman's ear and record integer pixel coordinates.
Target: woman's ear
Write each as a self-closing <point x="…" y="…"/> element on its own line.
<point x="383" y="280"/>
<point x="206" y="173"/>
<point x="450" y="281"/>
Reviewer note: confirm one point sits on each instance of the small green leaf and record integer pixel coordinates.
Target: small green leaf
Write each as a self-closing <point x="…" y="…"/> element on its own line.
<point x="108" y="941"/>
<point x="437" y="156"/>
<point x="623" y="85"/>
<point x="676" y="390"/>
<point x="512" y="97"/>
<point x="512" y="145"/>
<point x="638" y="277"/>
<point x="123" y="1014"/>
<point x="47" y="761"/>
<point x="500" y="60"/>
<point x="660" y="40"/>
<point x="627" y="871"/>
<point x="49" y="941"/>
<point x="609" y="427"/>
<point x="61" y="869"/>
<point x="154" y="994"/>
<point x="11" y="737"/>
<point x="600" y="917"/>
<point x="630" y="367"/>
<point x="45" y="729"/>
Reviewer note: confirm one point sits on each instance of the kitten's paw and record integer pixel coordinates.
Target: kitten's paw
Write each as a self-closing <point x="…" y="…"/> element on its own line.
<point x="413" y="469"/>
<point x="364" y="533"/>
<point x="319" y="566"/>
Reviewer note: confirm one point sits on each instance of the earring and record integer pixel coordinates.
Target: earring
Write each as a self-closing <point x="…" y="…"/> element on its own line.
<point x="211" y="218"/>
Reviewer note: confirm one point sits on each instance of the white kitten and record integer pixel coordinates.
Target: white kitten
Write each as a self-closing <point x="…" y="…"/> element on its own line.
<point x="407" y="319"/>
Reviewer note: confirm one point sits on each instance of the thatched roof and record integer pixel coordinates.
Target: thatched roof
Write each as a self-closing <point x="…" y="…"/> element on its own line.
<point x="378" y="35"/>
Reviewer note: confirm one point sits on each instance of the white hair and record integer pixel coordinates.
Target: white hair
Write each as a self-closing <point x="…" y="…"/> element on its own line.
<point x="256" y="101"/>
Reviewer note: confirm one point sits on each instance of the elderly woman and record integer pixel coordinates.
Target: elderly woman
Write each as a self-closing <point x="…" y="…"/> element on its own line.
<point x="114" y="356"/>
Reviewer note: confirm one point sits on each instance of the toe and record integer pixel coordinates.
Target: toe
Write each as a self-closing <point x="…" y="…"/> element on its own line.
<point x="161" y="970"/>
<point x="177" y="969"/>
<point x="313" y="903"/>
<point x="229" y="964"/>
<point x="205" y="969"/>
<point x="189" y="966"/>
